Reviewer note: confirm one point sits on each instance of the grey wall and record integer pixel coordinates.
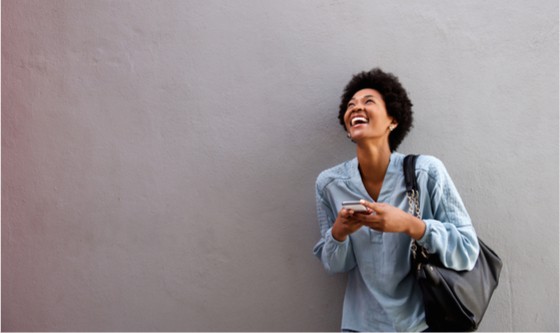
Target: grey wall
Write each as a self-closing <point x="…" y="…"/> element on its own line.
<point x="159" y="157"/>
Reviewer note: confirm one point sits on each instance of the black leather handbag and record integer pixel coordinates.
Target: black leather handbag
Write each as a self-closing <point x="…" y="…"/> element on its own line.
<point x="454" y="301"/>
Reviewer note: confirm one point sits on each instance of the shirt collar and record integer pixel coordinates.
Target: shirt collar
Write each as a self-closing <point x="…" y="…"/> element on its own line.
<point x="395" y="166"/>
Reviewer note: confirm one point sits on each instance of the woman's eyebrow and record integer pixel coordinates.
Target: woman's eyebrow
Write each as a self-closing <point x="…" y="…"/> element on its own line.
<point x="366" y="96"/>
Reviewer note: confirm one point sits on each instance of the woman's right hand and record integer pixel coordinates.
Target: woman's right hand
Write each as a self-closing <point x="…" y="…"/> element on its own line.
<point x="345" y="224"/>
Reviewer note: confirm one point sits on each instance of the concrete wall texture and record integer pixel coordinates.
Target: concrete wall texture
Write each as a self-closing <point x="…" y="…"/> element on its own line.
<point x="159" y="157"/>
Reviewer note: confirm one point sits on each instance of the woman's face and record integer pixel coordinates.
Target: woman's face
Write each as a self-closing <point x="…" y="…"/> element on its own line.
<point x="366" y="116"/>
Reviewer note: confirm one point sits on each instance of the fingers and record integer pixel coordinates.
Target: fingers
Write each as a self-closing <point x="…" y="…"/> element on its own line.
<point x="373" y="206"/>
<point x="346" y="216"/>
<point x="368" y="220"/>
<point x="351" y="218"/>
<point x="367" y="203"/>
<point x="346" y="212"/>
<point x="349" y="213"/>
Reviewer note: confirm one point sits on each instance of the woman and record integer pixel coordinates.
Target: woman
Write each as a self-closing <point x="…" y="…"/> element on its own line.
<point x="373" y="247"/>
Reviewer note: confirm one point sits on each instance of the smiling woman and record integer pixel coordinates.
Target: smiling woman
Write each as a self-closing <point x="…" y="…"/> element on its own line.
<point x="366" y="105"/>
<point x="380" y="90"/>
<point x="373" y="246"/>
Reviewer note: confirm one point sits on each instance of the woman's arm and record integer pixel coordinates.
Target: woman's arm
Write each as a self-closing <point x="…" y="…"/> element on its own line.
<point x="337" y="256"/>
<point x="449" y="230"/>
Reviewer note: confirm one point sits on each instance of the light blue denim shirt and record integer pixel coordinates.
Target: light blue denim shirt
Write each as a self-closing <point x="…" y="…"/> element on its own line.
<point x="381" y="294"/>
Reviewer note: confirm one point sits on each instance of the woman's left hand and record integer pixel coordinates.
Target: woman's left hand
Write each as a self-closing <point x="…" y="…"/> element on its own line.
<point x="387" y="218"/>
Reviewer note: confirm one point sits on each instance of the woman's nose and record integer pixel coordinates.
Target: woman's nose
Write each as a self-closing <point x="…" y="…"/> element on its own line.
<point x="358" y="107"/>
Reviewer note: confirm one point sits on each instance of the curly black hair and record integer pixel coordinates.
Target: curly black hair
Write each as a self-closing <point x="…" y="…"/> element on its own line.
<point x="398" y="105"/>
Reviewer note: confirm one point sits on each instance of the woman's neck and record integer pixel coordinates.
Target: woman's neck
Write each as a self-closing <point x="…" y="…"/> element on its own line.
<point x="373" y="161"/>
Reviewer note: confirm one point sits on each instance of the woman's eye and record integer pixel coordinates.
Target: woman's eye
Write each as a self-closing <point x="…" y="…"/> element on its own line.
<point x="369" y="101"/>
<point x="350" y="105"/>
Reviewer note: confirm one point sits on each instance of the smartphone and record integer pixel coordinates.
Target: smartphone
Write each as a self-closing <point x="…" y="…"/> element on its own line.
<point x="356" y="206"/>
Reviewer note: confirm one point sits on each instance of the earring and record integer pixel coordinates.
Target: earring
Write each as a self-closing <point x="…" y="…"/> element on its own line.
<point x="348" y="135"/>
<point x="392" y="127"/>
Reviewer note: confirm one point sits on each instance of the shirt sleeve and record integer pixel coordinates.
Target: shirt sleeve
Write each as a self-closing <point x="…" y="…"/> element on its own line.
<point x="449" y="230"/>
<point x="337" y="257"/>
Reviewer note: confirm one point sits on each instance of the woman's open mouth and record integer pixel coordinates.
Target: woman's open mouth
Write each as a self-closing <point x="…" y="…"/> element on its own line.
<point x="358" y="121"/>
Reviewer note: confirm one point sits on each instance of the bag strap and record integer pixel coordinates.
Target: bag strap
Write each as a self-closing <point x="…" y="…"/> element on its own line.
<point x="409" y="168"/>
<point x="412" y="191"/>
<point x="413" y="194"/>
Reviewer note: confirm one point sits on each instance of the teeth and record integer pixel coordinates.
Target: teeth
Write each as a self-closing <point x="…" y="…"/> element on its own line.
<point x="359" y="120"/>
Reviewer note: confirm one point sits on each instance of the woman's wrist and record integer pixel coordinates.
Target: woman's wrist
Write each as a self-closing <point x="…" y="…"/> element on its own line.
<point x="416" y="227"/>
<point x="338" y="235"/>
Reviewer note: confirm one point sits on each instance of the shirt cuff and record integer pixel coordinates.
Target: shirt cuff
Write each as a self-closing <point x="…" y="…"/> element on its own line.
<point x="423" y="241"/>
